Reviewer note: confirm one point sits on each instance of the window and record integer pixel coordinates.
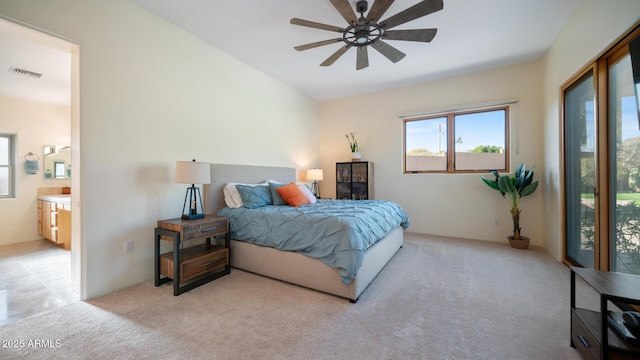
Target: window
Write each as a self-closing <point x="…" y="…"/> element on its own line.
<point x="7" y="156"/>
<point x="59" y="169"/>
<point x="479" y="140"/>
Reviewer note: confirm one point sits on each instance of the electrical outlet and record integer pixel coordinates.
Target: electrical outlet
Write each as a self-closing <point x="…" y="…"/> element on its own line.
<point x="496" y="222"/>
<point x="128" y="246"/>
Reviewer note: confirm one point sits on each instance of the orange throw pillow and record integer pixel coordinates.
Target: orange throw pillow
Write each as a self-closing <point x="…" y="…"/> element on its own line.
<point x="292" y="195"/>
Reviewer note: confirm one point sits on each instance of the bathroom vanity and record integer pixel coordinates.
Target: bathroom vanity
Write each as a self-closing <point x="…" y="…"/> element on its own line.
<point x="54" y="218"/>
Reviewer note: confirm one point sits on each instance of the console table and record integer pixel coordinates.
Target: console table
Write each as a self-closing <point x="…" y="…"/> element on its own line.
<point x="590" y="332"/>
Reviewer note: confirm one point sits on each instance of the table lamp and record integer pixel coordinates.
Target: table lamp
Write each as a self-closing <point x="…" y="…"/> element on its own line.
<point x="315" y="175"/>
<point x="192" y="172"/>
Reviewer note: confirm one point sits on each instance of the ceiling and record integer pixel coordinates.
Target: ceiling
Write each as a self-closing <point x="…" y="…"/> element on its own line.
<point x="29" y="50"/>
<point x="472" y="36"/>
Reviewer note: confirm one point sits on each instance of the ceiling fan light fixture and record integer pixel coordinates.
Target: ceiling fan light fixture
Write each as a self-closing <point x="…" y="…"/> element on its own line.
<point x="362" y="34"/>
<point x="362" y="39"/>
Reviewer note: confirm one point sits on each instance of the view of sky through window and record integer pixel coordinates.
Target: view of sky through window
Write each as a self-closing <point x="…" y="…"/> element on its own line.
<point x="472" y="130"/>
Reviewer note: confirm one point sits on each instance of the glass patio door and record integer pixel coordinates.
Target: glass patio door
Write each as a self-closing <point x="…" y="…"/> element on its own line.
<point x="580" y="170"/>
<point x="624" y="160"/>
<point x="602" y="160"/>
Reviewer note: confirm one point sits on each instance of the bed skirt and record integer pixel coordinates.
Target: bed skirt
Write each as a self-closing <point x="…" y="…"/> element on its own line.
<point x="312" y="273"/>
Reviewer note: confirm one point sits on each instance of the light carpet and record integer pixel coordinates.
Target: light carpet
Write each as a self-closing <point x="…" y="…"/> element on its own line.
<point x="438" y="298"/>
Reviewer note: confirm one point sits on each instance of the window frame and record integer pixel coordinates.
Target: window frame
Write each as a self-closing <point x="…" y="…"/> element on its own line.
<point x="451" y="139"/>
<point x="11" y="175"/>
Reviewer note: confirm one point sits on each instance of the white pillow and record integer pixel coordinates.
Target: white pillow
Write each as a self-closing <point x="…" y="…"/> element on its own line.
<point x="231" y="195"/>
<point x="307" y="193"/>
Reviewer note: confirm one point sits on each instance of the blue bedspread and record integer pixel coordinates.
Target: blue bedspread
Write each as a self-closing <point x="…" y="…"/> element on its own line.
<point x="335" y="231"/>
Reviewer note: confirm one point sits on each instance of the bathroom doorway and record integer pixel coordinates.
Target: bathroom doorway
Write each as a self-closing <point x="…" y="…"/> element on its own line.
<point x="23" y="252"/>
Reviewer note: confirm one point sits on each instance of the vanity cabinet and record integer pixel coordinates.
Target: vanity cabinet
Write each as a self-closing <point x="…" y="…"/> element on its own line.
<point x="54" y="222"/>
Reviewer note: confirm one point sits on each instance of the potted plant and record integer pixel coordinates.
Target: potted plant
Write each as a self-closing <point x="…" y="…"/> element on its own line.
<point x="512" y="189"/>
<point x="353" y="144"/>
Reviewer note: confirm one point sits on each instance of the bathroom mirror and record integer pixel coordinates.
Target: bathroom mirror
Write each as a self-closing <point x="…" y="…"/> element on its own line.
<point x="57" y="162"/>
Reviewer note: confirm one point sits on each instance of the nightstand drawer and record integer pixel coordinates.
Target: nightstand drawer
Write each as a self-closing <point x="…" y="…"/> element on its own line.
<point x="195" y="261"/>
<point x="205" y="229"/>
<point x="583" y="339"/>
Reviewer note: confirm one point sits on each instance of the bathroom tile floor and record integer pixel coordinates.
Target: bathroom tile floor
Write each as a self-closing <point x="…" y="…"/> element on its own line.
<point x="35" y="277"/>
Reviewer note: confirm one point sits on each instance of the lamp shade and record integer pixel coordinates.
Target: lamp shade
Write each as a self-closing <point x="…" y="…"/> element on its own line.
<point x="192" y="172"/>
<point x="315" y="174"/>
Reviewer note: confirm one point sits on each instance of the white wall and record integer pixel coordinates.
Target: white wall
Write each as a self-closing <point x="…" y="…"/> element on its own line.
<point x="454" y="205"/>
<point x="151" y="94"/>
<point x="593" y="28"/>
<point x="35" y="124"/>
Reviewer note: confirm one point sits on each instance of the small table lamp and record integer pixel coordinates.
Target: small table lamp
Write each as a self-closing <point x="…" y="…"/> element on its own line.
<point x="192" y="172"/>
<point x="315" y="175"/>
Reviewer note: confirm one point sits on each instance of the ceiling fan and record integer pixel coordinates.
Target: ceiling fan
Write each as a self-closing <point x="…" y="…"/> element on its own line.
<point x="368" y="30"/>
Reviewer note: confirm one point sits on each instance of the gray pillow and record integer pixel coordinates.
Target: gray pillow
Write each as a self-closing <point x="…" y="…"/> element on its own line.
<point x="275" y="196"/>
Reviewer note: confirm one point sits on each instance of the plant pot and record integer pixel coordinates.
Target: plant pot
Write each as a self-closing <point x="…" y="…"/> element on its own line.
<point x="356" y="156"/>
<point x="522" y="243"/>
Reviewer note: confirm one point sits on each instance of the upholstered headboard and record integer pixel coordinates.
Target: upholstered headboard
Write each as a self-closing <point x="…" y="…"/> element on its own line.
<point x="221" y="174"/>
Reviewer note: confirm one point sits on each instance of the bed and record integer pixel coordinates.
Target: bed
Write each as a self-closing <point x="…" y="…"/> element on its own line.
<point x="290" y="266"/>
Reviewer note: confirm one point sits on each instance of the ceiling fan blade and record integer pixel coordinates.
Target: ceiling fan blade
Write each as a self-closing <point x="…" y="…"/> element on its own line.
<point x="345" y="9"/>
<point x="331" y="59"/>
<point x="378" y="9"/>
<point x="388" y="51"/>
<point x="362" y="60"/>
<point x="316" y="44"/>
<point x="424" y="35"/>
<point x="315" y="25"/>
<point x="418" y="10"/>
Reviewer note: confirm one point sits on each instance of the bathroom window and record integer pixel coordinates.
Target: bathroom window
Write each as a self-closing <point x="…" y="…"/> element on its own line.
<point x="60" y="171"/>
<point x="7" y="165"/>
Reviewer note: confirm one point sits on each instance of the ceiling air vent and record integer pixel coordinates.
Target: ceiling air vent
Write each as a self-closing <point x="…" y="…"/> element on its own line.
<point x="24" y="72"/>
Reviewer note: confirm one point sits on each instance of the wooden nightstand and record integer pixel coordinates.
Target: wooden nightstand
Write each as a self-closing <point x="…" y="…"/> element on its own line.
<point x="195" y="265"/>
